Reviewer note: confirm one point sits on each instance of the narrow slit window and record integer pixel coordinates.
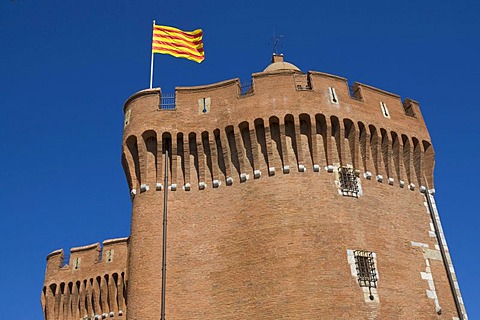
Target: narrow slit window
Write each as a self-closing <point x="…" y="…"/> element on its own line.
<point x="366" y="271"/>
<point x="348" y="182"/>
<point x="204" y="105"/>
<point x="76" y="263"/>
<point x="110" y="255"/>
<point x="384" y="108"/>
<point x="127" y="118"/>
<point x="333" y="95"/>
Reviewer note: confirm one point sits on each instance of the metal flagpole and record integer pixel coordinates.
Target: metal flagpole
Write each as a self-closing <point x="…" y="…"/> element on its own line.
<point x="151" y="60"/>
<point x="164" y="244"/>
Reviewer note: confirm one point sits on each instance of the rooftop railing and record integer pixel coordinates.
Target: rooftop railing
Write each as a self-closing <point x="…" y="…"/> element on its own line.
<point x="167" y="101"/>
<point x="302" y="82"/>
<point x="246" y="88"/>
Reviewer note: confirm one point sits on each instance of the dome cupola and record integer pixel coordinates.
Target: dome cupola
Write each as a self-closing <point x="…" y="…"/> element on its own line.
<point x="279" y="65"/>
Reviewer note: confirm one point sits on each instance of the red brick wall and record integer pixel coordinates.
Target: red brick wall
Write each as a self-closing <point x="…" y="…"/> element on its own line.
<point x="92" y="282"/>
<point x="276" y="247"/>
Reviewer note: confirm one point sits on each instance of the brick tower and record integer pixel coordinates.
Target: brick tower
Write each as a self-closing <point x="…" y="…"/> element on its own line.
<point x="294" y="197"/>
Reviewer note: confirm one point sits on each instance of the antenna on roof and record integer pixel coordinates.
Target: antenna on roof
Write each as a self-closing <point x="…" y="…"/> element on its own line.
<point x="276" y="42"/>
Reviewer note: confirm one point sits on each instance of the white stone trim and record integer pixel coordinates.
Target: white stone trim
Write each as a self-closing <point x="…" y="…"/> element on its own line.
<point x="133" y="192"/>
<point x="114" y="240"/>
<point x="81" y="248"/>
<point x="368" y="175"/>
<point x="271" y="171"/>
<point x="443" y="243"/>
<point x="431" y="292"/>
<point x="419" y="244"/>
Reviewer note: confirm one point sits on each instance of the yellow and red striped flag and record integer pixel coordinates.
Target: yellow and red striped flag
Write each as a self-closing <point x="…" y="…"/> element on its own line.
<point x="178" y="43"/>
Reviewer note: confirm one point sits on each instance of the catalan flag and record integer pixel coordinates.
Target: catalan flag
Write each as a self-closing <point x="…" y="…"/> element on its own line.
<point x="178" y="43"/>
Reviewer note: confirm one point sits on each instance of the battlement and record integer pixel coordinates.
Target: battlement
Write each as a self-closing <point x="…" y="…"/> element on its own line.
<point x="287" y="121"/>
<point x="360" y="98"/>
<point x="88" y="256"/>
<point x="83" y="283"/>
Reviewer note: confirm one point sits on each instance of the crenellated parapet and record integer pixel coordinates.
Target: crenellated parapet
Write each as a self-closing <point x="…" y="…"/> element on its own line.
<point x="286" y="122"/>
<point x="279" y="91"/>
<point x="90" y="284"/>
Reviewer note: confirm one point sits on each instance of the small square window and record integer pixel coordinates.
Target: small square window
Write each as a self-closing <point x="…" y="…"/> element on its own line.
<point x="348" y="182"/>
<point x="366" y="272"/>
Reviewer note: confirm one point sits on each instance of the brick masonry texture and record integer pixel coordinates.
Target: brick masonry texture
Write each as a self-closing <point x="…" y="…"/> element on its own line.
<point x="92" y="282"/>
<point x="254" y="232"/>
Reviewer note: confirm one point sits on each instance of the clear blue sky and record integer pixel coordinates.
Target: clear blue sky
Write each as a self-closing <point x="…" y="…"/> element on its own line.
<point x="66" y="67"/>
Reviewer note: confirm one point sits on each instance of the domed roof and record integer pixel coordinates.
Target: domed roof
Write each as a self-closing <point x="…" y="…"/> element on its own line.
<point x="278" y="64"/>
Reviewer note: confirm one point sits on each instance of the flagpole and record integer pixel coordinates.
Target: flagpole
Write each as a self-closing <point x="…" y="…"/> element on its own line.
<point x="151" y="60"/>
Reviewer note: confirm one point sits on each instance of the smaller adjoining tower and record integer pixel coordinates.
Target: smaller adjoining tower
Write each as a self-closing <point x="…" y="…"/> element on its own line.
<point x="89" y="283"/>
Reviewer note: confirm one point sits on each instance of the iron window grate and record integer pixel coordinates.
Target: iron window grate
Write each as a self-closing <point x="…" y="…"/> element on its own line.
<point x="348" y="182"/>
<point x="366" y="272"/>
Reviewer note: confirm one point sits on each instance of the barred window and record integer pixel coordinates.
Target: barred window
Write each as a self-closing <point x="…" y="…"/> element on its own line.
<point x="366" y="272"/>
<point x="348" y="182"/>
